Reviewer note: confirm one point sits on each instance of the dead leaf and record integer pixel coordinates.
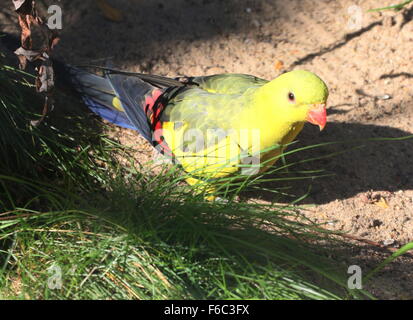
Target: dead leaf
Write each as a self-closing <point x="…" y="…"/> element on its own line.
<point x="26" y="32"/>
<point x="45" y="79"/>
<point x="18" y="3"/>
<point x="30" y="55"/>
<point x="28" y="17"/>
<point x="54" y="40"/>
<point x="110" y="12"/>
<point x="23" y="6"/>
<point x="26" y="55"/>
<point x="278" y="65"/>
<point x="382" y="203"/>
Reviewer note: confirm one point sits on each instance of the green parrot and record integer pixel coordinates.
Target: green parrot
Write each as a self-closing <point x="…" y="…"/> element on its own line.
<point x="211" y="125"/>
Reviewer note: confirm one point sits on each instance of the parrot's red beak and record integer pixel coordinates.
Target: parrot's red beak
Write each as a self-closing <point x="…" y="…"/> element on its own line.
<point x="317" y="115"/>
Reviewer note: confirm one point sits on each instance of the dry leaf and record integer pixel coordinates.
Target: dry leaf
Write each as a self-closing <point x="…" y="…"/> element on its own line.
<point x="109" y="12"/>
<point x="54" y="40"/>
<point x="23" y="6"/>
<point x="18" y="3"/>
<point x="45" y="80"/>
<point x="382" y="203"/>
<point x="25" y="23"/>
<point x="278" y="65"/>
<point x="26" y="55"/>
<point x="30" y="55"/>
<point x="28" y="17"/>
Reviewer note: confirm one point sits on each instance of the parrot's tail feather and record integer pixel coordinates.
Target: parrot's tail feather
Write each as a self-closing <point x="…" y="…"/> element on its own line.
<point x="97" y="93"/>
<point x="119" y="100"/>
<point x="113" y="116"/>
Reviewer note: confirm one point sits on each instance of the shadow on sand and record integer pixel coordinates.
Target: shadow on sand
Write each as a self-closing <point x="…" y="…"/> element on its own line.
<point x="378" y="165"/>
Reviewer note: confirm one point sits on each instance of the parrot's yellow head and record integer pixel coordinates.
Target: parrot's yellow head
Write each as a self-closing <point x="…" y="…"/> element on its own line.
<point x="296" y="97"/>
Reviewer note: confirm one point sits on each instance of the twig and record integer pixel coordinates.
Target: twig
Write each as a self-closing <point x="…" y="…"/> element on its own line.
<point x="25" y="215"/>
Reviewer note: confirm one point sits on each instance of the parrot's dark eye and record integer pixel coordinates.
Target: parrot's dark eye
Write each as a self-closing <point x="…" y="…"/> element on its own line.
<point x="291" y="97"/>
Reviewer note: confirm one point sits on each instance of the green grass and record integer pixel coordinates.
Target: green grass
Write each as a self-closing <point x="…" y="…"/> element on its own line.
<point x="396" y="7"/>
<point x="68" y="206"/>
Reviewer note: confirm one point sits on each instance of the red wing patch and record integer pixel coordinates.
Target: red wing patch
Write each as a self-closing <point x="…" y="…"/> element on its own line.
<point x="153" y="110"/>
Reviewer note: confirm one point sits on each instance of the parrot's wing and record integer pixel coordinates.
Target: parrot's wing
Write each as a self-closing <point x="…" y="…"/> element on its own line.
<point x="212" y="106"/>
<point x="229" y="83"/>
<point x="134" y="95"/>
<point x="197" y="126"/>
<point x="211" y="101"/>
<point x="199" y="110"/>
<point x="201" y="125"/>
<point x="144" y="99"/>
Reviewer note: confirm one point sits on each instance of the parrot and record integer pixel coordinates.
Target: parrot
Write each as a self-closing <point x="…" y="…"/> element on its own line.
<point x="213" y="126"/>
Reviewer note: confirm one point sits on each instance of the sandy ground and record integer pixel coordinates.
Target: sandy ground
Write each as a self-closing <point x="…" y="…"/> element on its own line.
<point x="365" y="58"/>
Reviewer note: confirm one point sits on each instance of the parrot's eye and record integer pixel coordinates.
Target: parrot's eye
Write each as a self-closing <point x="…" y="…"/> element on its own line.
<point x="291" y="97"/>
